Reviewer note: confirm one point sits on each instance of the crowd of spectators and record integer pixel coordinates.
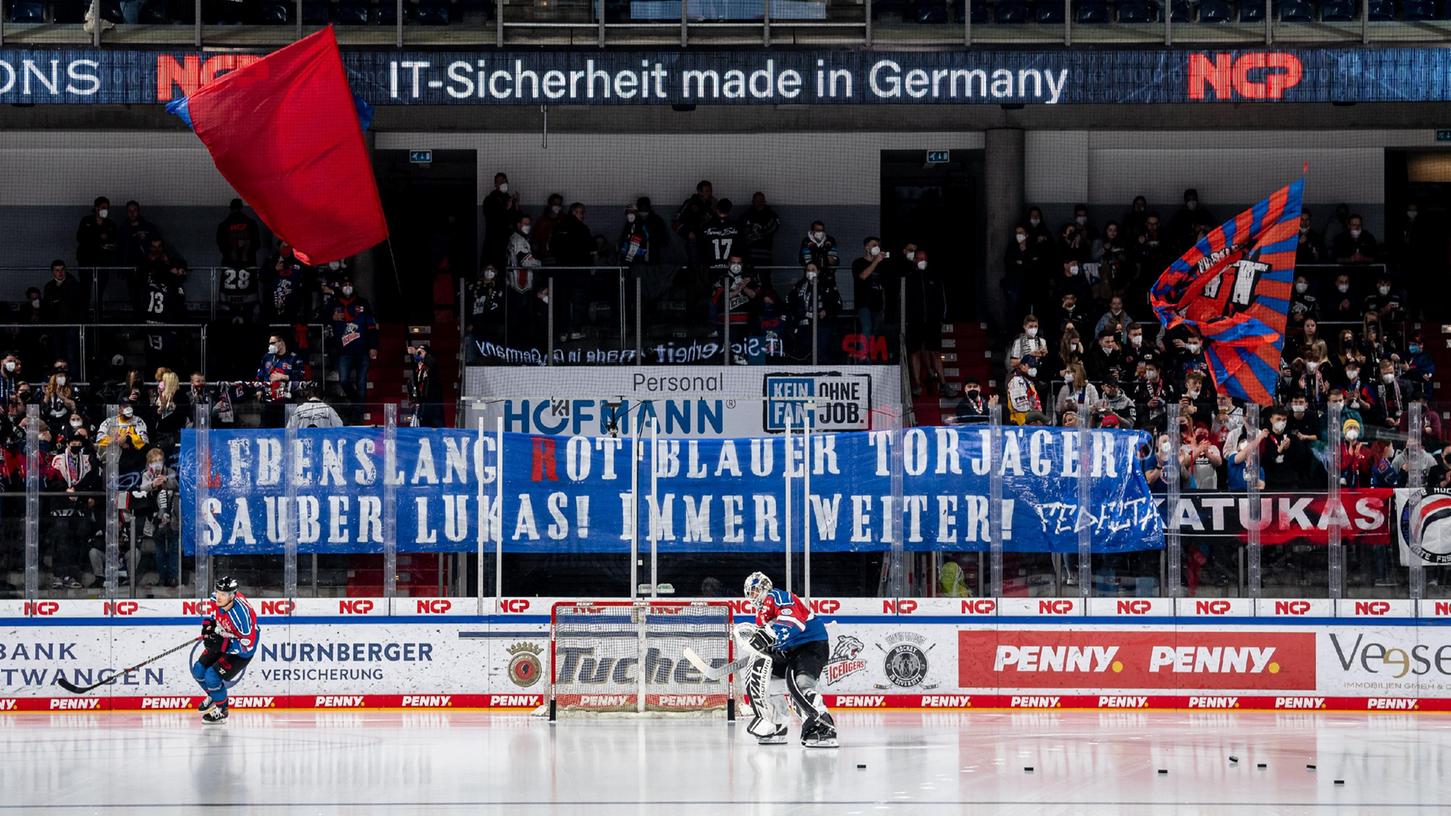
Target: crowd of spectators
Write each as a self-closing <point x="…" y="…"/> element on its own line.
<point x="730" y="279"/>
<point x="136" y="403"/>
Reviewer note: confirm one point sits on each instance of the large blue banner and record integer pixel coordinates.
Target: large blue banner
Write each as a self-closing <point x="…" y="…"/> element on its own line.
<point x="440" y="492"/>
<point x="828" y="77"/>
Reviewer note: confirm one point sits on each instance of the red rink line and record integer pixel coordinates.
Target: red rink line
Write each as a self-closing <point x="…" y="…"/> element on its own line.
<point x="924" y="702"/>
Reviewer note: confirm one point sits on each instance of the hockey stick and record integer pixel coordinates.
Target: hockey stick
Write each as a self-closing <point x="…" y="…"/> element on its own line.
<point x="716" y="672"/>
<point x="75" y="689"/>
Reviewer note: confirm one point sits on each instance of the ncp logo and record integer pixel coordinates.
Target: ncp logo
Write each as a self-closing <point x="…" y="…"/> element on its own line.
<point x="1257" y="75"/>
<point x="979" y="606"/>
<point x="904" y="606"/>
<point x="1139" y="607"/>
<point x="741" y="607"/>
<point x="1292" y="607"/>
<point x="825" y="607"/>
<point x="41" y="608"/>
<point x="1372" y="608"/>
<point x="435" y="606"/>
<point x="1219" y="607"/>
<point x="359" y="607"/>
<point x="278" y="607"/>
<point x="514" y="605"/>
<point x="1060" y="606"/>
<point x="120" y="608"/>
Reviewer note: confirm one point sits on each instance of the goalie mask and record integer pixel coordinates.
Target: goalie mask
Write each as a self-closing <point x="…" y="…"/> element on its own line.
<point x="756" y="586"/>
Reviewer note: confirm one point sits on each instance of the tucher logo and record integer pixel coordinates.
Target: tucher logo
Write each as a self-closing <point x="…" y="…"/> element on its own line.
<point x="906" y="661"/>
<point x="524" y="667"/>
<point x="845" y="659"/>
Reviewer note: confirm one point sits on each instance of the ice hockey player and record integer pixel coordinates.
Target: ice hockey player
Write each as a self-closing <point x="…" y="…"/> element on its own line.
<point x="792" y="646"/>
<point x="229" y="640"/>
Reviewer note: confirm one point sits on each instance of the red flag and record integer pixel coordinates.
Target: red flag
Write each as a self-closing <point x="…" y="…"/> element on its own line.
<point x="284" y="133"/>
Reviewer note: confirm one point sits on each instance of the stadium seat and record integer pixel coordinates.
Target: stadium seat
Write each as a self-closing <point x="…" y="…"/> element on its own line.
<point x="1339" y="11"/>
<point x="316" y="12"/>
<point x="274" y="12"/>
<point x="1048" y="12"/>
<point x="430" y="12"/>
<point x="1215" y="11"/>
<point x="1296" y="11"/>
<point x="1091" y="11"/>
<point x="111" y="11"/>
<point x="1137" y="11"/>
<point x="1382" y="11"/>
<point x="931" y="12"/>
<point x="1251" y="11"/>
<point x="350" y="12"/>
<point x="27" y="11"/>
<point x="1011" y="11"/>
<point x="980" y="13"/>
<point x="387" y="12"/>
<point x="1414" y="10"/>
<point x="1181" y="11"/>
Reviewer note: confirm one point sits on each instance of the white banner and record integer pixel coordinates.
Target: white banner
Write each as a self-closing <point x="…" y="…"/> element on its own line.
<point x="686" y="401"/>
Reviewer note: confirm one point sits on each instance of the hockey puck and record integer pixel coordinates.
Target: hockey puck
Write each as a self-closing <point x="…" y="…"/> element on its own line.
<point x="1340" y="781"/>
<point x="1310" y="767"/>
<point x="1233" y="758"/>
<point x="861" y="765"/>
<point x="1027" y="768"/>
<point x="1262" y="765"/>
<point x="1162" y="771"/>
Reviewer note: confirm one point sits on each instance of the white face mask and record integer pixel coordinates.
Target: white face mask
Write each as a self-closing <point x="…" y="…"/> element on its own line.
<point x="1031" y="331"/>
<point x="1165" y="446"/>
<point x="1388" y="378"/>
<point x="630" y="218"/>
<point x="1151" y="375"/>
<point x="811" y="274"/>
<point x="735" y="269"/>
<point x="128" y="412"/>
<point x="347" y="291"/>
<point x="489" y="274"/>
<point x="874" y="251"/>
<point x="1072" y="271"/>
<point x="1355" y="233"/>
<point x="271" y="348"/>
<point x="1298" y="409"/>
<point x="1082" y="219"/>
<point x="60" y="380"/>
<point x="76" y="423"/>
<point x="1068" y="377"/>
<point x="1022" y="239"/>
<point x="1032" y="372"/>
<point x="1384" y="290"/>
<point x="334" y="265"/>
<point x="1137" y="340"/>
<point x="1352" y="373"/>
<point x="1035" y="221"/>
<point x="1192" y="348"/>
<point x="818" y="235"/>
<point x="1107" y="349"/>
<point x="10" y="365"/>
<point x="35" y="303"/>
<point x="1312" y="364"/>
<point x="555" y="208"/>
<point x="921" y="265"/>
<point x="1279" y="427"/>
<point x="524" y="228"/>
<point x="1411" y="214"/>
<point x="1192" y="394"/>
<point x="1302" y="288"/>
<point x="1352" y="435"/>
<point x="1342" y="288"/>
<point x="103" y="213"/>
<point x="1192" y="204"/>
<point x="545" y="299"/>
<point x="504" y="188"/>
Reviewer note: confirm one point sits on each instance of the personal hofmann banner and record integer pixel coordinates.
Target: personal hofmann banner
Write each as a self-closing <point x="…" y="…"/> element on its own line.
<point x="573" y="494"/>
<point x="589" y="77"/>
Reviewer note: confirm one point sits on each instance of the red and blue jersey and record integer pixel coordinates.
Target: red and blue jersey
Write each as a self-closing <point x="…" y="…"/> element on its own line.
<point x="790" y="618"/>
<point x="237" y="624"/>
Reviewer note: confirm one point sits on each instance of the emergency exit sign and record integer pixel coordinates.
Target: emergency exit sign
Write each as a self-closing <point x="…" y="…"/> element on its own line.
<point x="420" y="157"/>
<point x="945" y="156"/>
<point x="1443" y="135"/>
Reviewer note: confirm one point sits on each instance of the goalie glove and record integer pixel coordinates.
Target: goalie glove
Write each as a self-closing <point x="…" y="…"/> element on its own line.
<point x="762" y="640"/>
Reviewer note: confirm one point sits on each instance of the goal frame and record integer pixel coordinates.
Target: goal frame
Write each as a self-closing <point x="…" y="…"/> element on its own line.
<point x="644" y="605"/>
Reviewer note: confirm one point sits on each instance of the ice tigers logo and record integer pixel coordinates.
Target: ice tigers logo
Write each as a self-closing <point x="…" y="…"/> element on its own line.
<point x="1425" y="525"/>
<point x="845" y="659"/>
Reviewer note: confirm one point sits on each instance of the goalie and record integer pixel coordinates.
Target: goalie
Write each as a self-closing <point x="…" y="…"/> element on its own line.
<point x="791" y="644"/>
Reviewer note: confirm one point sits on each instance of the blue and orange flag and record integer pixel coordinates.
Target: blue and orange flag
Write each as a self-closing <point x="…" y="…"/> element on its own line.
<point x="1233" y="288"/>
<point x="285" y="132"/>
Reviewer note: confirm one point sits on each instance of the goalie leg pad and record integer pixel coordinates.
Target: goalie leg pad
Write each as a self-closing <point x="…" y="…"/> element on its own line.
<point x="803" y="670"/>
<point x="765" y="715"/>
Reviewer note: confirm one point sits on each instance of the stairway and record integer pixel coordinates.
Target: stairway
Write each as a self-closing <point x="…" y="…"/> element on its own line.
<point x="966" y="352"/>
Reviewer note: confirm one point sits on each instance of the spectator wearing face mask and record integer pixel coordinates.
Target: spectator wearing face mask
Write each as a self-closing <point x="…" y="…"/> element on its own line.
<point x="1106" y="361"/>
<point x="736" y="299"/>
<point x="10" y="377"/>
<point x="1304" y="305"/>
<point x="1116" y="321"/>
<point x="1038" y="232"/>
<point x="1070" y="345"/>
<point x="98" y="240"/>
<point x="1030" y="343"/>
<point x="501" y="213"/>
<point x="974" y="408"/>
<point x="926" y="312"/>
<point x="486" y="307"/>
<point x="1111" y="253"/>
<point x="1085" y="225"/>
<point x="868" y="289"/>
<point x="136" y="234"/>
<point x="634" y="243"/>
<point x="353" y="330"/>
<point x="1304" y="423"/>
<point x="423" y="391"/>
<point x="1198" y="394"/>
<point x="1420" y="368"/>
<point x="1072" y="283"/>
<point x="1137" y="351"/>
<point x="544" y="226"/>
<point x="157" y="504"/>
<point x="1151" y="396"/>
<point x="123" y="434"/>
<point x="1027" y="270"/>
<point x="819" y="247"/>
<point x="1354" y="456"/>
<point x="1076" y="392"/>
<point x="1184" y="226"/>
<point x="1343" y="304"/>
<point x="279" y="371"/>
<point x="1313" y="382"/>
<point x="1387" y="303"/>
<point x="520" y="262"/>
<point x="1356" y="245"/>
<point x="1310" y="245"/>
<point x="1022" y="389"/>
<point x="58" y="402"/>
<point x="1357" y="388"/>
<point x="1280" y="456"/>
<point x="691" y="218"/>
<point x="286" y="286"/>
<point x="1307" y="342"/>
<point x="1389" y="397"/>
<point x="73" y="474"/>
<point x="1153" y="250"/>
<point x="1072" y="245"/>
<point x="812" y="301"/>
<point x="1188" y="356"/>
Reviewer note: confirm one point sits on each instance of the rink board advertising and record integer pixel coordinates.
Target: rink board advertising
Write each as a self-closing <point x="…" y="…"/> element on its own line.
<point x="574" y="494"/>
<point x="589" y="77"/>
<point x="1030" y="653"/>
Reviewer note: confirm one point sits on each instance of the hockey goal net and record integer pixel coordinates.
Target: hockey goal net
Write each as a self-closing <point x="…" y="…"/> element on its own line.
<point x="627" y="657"/>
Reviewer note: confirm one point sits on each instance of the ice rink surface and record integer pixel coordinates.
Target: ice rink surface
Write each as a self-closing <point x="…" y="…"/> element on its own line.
<point x="932" y="763"/>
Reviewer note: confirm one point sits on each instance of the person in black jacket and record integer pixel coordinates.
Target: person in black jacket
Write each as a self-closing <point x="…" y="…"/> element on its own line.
<point x="501" y="213"/>
<point x="423" y="393"/>
<point x="573" y="246"/>
<point x="926" y="309"/>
